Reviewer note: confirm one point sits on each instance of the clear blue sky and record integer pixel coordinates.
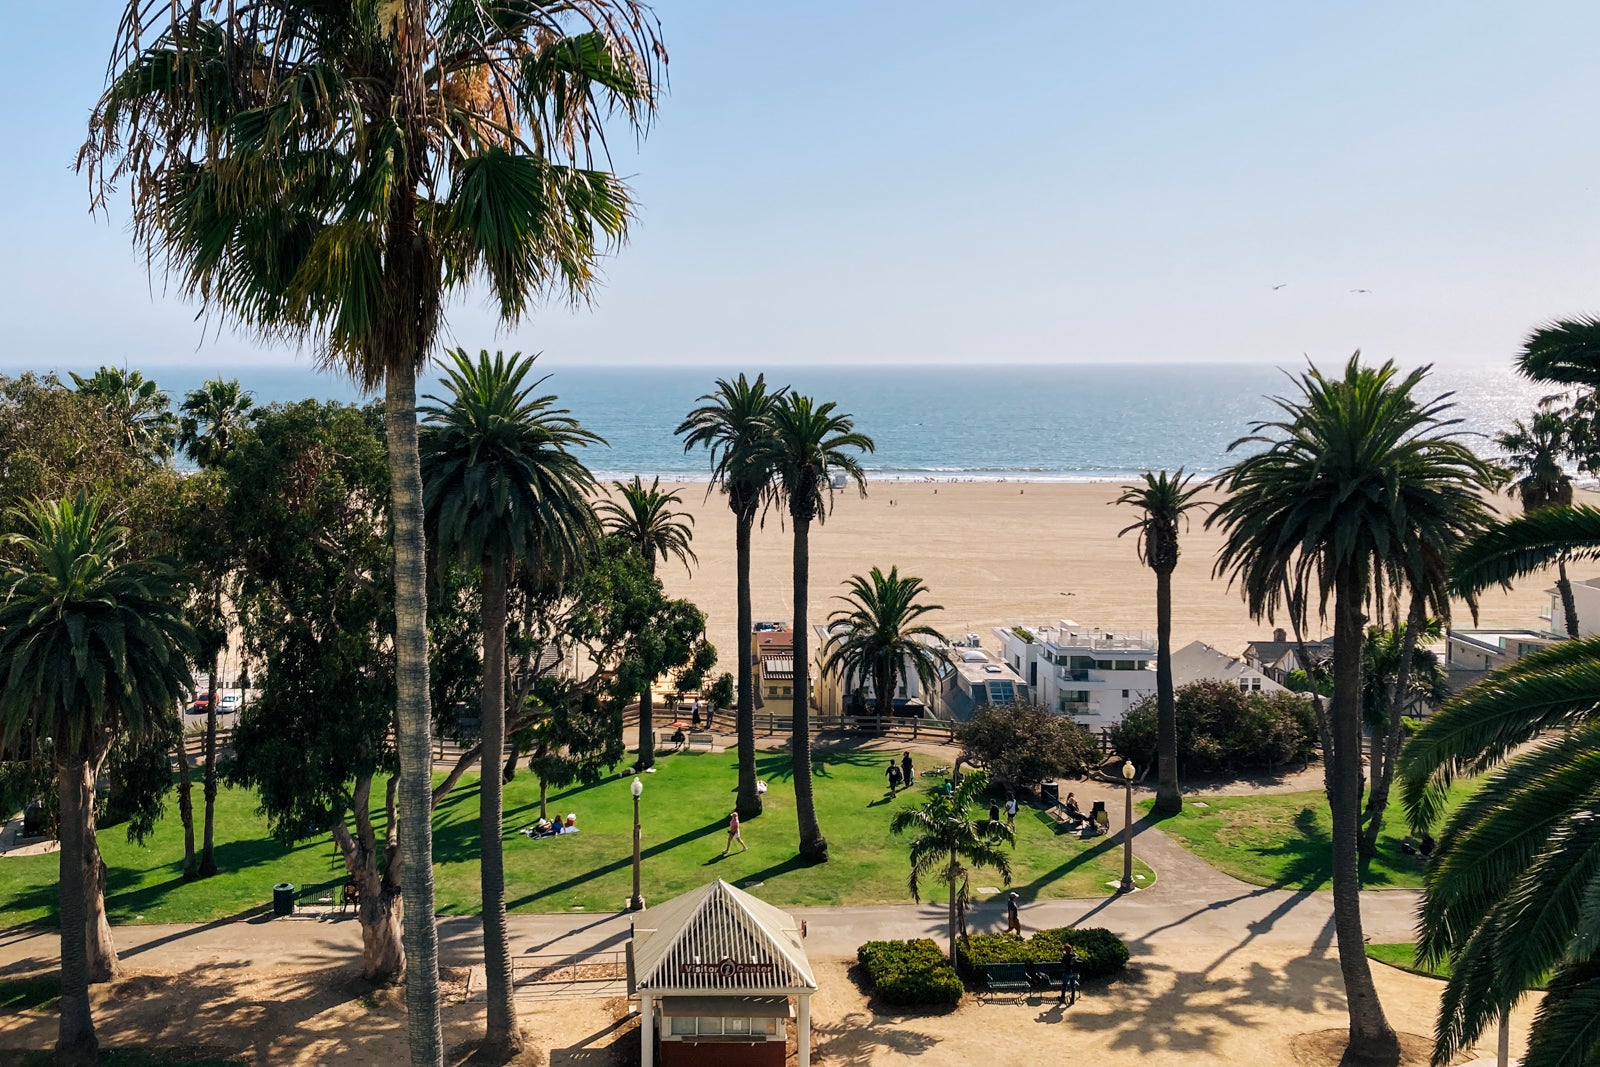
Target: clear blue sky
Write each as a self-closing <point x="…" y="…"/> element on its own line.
<point x="914" y="181"/>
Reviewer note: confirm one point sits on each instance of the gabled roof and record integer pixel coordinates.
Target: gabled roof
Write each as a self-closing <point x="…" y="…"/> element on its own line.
<point x="719" y="938"/>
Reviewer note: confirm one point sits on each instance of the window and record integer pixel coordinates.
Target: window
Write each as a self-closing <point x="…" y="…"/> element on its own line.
<point x="683" y="1026"/>
<point x="764" y="1026"/>
<point x="1124" y="694"/>
<point x="736" y="1026"/>
<point x="1002" y="692"/>
<point x="709" y="1027"/>
<point x="1126" y="665"/>
<point x="1105" y="664"/>
<point x="1082" y="663"/>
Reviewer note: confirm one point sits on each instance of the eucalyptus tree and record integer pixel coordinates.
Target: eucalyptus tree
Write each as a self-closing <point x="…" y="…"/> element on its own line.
<point x="876" y="637"/>
<point x="950" y="835"/>
<point x="141" y="411"/>
<point x="653" y="522"/>
<point x="95" y="648"/>
<point x="807" y="444"/>
<point x="330" y="175"/>
<point x="1535" y="451"/>
<point x="1166" y="501"/>
<point x="732" y="423"/>
<point x="502" y="489"/>
<point x="1357" y="497"/>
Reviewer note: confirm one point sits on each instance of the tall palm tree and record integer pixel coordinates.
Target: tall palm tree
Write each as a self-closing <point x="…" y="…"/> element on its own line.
<point x="1359" y="494"/>
<point x="138" y="407"/>
<point x="501" y="486"/>
<point x="949" y="841"/>
<point x="731" y="423"/>
<point x="94" y="647"/>
<point x="1508" y="896"/>
<point x="652" y="522"/>
<point x="1166" y="500"/>
<point x="210" y="421"/>
<point x="876" y="636"/>
<point x="331" y="173"/>
<point x="1534" y="451"/>
<point x="808" y="443"/>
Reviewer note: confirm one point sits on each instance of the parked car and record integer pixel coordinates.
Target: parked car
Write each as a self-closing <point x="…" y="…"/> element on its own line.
<point x="200" y="706"/>
<point x="230" y="702"/>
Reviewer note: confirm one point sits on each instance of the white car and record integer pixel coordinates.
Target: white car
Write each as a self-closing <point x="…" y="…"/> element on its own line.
<point x="230" y="702"/>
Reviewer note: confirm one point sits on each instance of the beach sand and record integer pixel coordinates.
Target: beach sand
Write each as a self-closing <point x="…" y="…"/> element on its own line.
<point x="1002" y="552"/>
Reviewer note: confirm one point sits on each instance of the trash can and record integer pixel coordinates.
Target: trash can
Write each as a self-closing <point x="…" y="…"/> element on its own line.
<point x="283" y="899"/>
<point x="1051" y="790"/>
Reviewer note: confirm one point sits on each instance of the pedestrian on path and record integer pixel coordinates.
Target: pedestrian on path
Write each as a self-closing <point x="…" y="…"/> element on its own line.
<point x="1011" y="813"/>
<point x="906" y="776"/>
<point x="1069" y="972"/>
<point x="1013" y="915"/>
<point x="893" y="772"/>
<point x="734" y="835"/>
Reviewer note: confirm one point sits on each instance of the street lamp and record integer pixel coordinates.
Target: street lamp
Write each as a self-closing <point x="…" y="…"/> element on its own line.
<point x="1127" y="829"/>
<point x="637" y="788"/>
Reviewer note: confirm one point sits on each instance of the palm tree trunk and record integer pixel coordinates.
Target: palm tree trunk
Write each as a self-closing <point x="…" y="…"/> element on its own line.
<point x="749" y="801"/>
<point x="647" y="728"/>
<point x="1568" y="607"/>
<point x="952" y="909"/>
<point x="208" y="859"/>
<point x="102" y="950"/>
<point x="1371" y="1037"/>
<point x="813" y="846"/>
<point x="186" y="804"/>
<point x="76" y="1043"/>
<point x="1168" y="799"/>
<point x="413" y="719"/>
<point x="1383" y="767"/>
<point x="502" y="1037"/>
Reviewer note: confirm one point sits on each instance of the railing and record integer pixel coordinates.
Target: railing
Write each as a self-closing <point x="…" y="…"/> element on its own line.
<point x="936" y="730"/>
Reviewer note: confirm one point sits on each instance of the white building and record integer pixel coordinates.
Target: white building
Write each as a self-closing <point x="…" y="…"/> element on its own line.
<point x="1199" y="662"/>
<point x="1585" y="599"/>
<point x="1092" y="675"/>
<point x="967" y="677"/>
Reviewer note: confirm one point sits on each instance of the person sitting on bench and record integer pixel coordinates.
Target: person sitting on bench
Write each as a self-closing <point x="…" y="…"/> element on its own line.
<point x="679" y="738"/>
<point x="1074" y="813"/>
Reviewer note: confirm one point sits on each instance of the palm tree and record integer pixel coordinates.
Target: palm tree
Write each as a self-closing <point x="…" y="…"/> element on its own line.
<point x="141" y="410"/>
<point x="1165" y="499"/>
<point x="1507" y="897"/>
<point x="210" y="421"/>
<point x="1359" y="493"/>
<point x="649" y="520"/>
<point x="1534" y="451"/>
<point x="501" y="486"/>
<point x="1395" y="672"/>
<point x="94" y="648"/>
<point x="876" y="636"/>
<point x="731" y="424"/>
<point x="807" y="444"/>
<point x="330" y="174"/>
<point x="949" y="841"/>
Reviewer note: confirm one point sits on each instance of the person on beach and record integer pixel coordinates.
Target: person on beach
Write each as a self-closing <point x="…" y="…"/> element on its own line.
<point x="905" y="769"/>
<point x="734" y="835"/>
<point x="894" y="776"/>
<point x="1011" y="813"/>
<point x="1069" y="972"/>
<point x="1013" y="915"/>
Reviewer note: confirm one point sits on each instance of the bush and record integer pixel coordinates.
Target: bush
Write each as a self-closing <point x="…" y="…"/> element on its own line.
<point x="910" y="973"/>
<point x="1021" y="745"/>
<point x="1100" y="952"/>
<point x="1221" y="729"/>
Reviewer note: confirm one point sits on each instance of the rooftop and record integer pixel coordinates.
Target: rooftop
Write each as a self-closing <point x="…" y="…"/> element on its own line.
<point x="1495" y="639"/>
<point x="1066" y="633"/>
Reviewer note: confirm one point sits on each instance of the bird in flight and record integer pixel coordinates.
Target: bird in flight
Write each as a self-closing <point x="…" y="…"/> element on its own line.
<point x="1277" y="287"/>
<point x="1361" y="290"/>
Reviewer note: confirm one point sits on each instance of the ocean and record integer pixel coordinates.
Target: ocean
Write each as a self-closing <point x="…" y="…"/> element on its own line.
<point x="1072" y="422"/>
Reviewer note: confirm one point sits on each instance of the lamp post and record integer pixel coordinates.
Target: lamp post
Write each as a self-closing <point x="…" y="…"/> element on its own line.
<point x="1127" y="829"/>
<point x="636" y="903"/>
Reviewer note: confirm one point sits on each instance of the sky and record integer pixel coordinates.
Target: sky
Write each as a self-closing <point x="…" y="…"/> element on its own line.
<point x="915" y="181"/>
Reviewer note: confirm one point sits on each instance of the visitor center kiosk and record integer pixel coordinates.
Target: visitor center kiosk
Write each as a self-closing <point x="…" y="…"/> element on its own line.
<point x="714" y="971"/>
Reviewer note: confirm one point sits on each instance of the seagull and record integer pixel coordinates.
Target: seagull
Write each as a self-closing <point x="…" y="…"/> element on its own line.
<point x="1277" y="287"/>
<point x="1361" y="290"/>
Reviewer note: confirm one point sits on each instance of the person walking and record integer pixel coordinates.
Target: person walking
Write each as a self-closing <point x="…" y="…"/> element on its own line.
<point x="1011" y="813"/>
<point x="893" y="772"/>
<point x="906" y="776"/>
<point x="1069" y="972"/>
<point x="994" y="815"/>
<point x="734" y="835"/>
<point x="1014" y="915"/>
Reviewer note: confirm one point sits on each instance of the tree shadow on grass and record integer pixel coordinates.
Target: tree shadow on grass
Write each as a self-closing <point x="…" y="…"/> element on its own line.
<point x="708" y="830"/>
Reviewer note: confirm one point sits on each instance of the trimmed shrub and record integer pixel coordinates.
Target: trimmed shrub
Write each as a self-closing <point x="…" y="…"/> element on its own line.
<point x="1100" y="952"/>
<point x="910" y="973"/>
<point x="1221" y="729"/>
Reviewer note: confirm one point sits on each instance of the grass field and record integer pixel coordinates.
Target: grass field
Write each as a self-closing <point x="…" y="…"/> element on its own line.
<point x="1404" y="956"/>
<point x="1282" y="840"/>
<point x="685" y="809"/>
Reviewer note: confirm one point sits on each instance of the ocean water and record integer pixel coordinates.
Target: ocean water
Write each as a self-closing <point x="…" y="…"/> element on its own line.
<point x="1075" y="422"/>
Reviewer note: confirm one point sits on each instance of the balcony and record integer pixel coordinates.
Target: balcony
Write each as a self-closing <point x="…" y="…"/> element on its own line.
<point x="1069" y="674"/>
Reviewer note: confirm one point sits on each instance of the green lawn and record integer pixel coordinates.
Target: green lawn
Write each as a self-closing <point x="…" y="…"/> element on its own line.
<point x="1282" y="840"/>
<point x="685" y="810"/>
<point x="1404" y="956"/>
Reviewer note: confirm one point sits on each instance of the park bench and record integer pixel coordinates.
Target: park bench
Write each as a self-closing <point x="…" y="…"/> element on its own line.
<point x="1051" y="976"/>
<point x="1007" y="978"/>
<point x="704" y="739"/>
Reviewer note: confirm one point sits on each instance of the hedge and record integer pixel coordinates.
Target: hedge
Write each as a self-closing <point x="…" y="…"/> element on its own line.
<point x="1100" y="952"/>
<point x="910" y="973"/>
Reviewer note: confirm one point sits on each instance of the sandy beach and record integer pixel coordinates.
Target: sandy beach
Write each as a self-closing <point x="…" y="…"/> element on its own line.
<point x="999" y="552"/>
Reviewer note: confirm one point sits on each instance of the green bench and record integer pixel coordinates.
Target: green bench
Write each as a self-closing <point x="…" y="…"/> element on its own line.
<point x="1007" y="978"/>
